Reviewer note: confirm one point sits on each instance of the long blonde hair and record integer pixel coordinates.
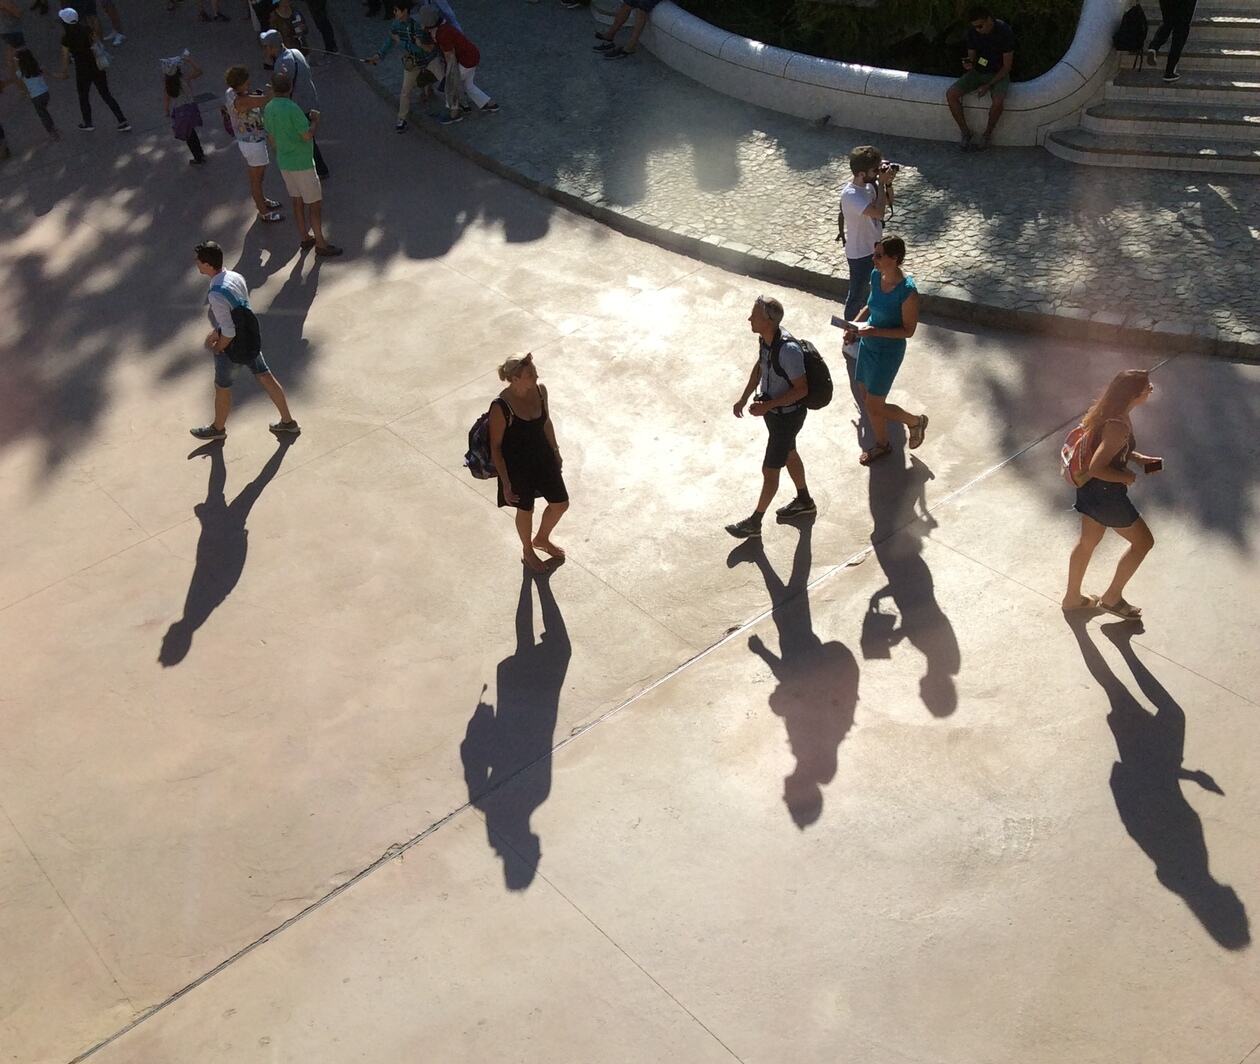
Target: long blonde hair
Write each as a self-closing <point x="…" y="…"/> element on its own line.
<point x="1117" y="398"/>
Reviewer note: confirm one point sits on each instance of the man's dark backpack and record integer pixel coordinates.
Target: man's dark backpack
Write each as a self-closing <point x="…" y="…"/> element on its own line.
<point x="246" y="345"/>
<point x="1130" y="35"/>
<point x="817" y="375"/>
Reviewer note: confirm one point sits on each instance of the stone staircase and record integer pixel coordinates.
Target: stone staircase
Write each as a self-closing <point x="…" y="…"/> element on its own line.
<point x="1209" y="121"/>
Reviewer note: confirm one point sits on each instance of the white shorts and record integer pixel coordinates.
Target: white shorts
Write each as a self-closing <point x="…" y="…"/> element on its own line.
<point x="255" y="152"/>
<point x="303" y="185"/>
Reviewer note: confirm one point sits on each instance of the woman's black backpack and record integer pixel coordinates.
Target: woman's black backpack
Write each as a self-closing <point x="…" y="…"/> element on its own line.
<point x="1130" y="35"/>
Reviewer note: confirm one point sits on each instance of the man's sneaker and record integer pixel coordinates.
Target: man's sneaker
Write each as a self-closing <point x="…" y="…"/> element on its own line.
<point x="209" y="432"/>
<point x="798" y="507"/>
<point x="87" y="127"/>
<point x="569" y="5"/>
<point x="1174" y="76"/>
<point x="1152" y="57"/>
<point x="290" y="426"/>
<point x="124" y="127"/>
<point x="965" y="144"/>
<point x="490" y="108"/>
<point x="450" y="120"/>
<point x="745" y="529"/>
<point x="117" y="39"/>
<point x="400" y="125"/>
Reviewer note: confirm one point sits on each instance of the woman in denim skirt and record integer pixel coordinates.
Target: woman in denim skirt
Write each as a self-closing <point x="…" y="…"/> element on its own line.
<point x="1103" y="499"/>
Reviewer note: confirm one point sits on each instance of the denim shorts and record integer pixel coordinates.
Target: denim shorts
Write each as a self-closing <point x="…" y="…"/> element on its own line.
<point x="225" y="369"/>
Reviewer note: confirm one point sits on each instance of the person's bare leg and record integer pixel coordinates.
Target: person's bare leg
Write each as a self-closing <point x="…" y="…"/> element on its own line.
<point x="272" y="387"/>
<point x="955" y="99"/>
<point x="995" y="113"/>
<point x="317" y="217"/>
<point x="525" y="529"/>
<point x="1140" y="543"/>
<point x="552" y="514"/>
<point x="640" y="23"/>
<point x="881" y="412"/>
<point x="875" y="407"/>
<point x="222" y="406"/>
<point x="769" y="486"/>
<point x="111" y="9"/>
<point x="619" y="20"/>
<point x="1078" y="561"/>
<point x="256" y="187"/>
<point x="796" y="470"/>
<point x="299" y="216"/>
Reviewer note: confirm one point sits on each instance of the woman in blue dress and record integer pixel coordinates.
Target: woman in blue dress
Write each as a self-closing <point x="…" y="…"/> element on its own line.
<point x="889" y="319"/>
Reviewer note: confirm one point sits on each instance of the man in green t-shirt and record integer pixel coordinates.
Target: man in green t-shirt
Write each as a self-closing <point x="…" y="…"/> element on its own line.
<point x="292" y="137"/>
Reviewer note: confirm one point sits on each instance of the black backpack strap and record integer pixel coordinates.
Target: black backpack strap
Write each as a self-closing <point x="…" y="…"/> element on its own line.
<point x="775" y="348"/>
<point x="506" y="406"/>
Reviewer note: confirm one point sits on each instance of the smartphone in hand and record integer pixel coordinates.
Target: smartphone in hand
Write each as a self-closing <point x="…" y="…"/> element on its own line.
<point x="840" y="323"/>
<point x="1153" y="466"/>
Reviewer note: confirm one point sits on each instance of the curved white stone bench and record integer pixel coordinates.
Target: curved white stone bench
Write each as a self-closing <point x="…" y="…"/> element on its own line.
<point x="884" y="101"/>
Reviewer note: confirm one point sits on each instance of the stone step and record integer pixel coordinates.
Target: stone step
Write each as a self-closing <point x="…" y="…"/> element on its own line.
<point x="1240" y="28"/>
<point x="1199" y="155"/>
<point x="1184" y="121"/>
<point x="1230" y="90"/>
<point x="1218" y="56"/>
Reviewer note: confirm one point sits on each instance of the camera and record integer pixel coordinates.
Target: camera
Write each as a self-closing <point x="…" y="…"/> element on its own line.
<point x="891" y="168"/>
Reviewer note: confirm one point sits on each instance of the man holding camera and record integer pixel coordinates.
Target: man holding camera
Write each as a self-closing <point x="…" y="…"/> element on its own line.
<point x="778" y="378"/>
<point x="864" y="204"/>
<point x="990" y="56"/>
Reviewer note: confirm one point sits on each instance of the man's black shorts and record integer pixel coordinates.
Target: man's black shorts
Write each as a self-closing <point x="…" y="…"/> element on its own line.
<point x="783" y="429"/>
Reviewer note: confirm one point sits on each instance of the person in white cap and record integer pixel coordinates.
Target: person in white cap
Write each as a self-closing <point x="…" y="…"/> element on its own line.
<point x="178" y="73"/>
<point x="462" y="59"/>
<point x="292" y="63"/>
<point x="76" y="44"/>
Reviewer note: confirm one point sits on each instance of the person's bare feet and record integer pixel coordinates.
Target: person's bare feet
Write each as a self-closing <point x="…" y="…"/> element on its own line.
<point x="547" y="547"/>
<point x="533" y="562"/>
<point x="1081" y="602"/>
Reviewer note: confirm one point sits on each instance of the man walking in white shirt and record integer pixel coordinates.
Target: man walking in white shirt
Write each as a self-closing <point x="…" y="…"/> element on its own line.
<point x="232" y="346"/>
<point x="864" y="204"/>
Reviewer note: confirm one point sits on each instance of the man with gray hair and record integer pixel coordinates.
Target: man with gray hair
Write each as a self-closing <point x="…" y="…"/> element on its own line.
<point x="778" y="378"/>
<point x="294" y="66"/>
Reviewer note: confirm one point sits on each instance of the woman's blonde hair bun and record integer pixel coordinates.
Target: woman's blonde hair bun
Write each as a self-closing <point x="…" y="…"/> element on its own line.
<point x="514" y="365"/>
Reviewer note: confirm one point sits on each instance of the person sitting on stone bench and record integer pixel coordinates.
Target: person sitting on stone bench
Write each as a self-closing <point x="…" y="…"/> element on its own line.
<point x="990" y="55"/>
<point x="643" y="11"/>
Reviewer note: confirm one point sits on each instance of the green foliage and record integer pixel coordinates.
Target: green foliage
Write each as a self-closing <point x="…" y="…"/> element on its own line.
<point x="921" y="36"/>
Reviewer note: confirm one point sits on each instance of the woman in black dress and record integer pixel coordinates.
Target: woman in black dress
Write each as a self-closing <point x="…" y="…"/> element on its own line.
<point x="1103" y="500"/>
<point x="523" y="446"/>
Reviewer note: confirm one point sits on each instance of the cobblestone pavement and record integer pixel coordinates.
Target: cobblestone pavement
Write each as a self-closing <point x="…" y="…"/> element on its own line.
<point x="1015" y="228"/>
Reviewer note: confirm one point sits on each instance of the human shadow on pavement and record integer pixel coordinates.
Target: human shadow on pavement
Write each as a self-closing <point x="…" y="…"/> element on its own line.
<point x="898" y="501"/>
<point x="817" y="688"/>
<point x="1146" y="785"/>
<point x="222" y="548"/>
<point x="514" y="743"/>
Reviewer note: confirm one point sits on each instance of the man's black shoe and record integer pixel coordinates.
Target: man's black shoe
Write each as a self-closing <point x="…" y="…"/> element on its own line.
<point x="745" y="529"/>
<point x="798" y="507"/>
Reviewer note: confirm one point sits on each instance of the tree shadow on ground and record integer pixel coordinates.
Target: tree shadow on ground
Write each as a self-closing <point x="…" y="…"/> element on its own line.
<point x="221" y="548"/>
<point x="515" y="741"/>
<point x="1146" y="785"/>
<point x="817" y="688"/>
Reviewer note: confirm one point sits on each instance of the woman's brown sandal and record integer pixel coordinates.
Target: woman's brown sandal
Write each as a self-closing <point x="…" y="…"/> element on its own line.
<point x="875" y="453"/>
<point x="917" y="431"/>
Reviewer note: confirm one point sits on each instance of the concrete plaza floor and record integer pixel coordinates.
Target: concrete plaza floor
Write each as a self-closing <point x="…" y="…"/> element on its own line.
<point x="297" y="766"/>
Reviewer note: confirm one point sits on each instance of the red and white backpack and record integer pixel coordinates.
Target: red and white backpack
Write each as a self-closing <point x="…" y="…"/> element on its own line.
<point x="1075" y="456"/>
